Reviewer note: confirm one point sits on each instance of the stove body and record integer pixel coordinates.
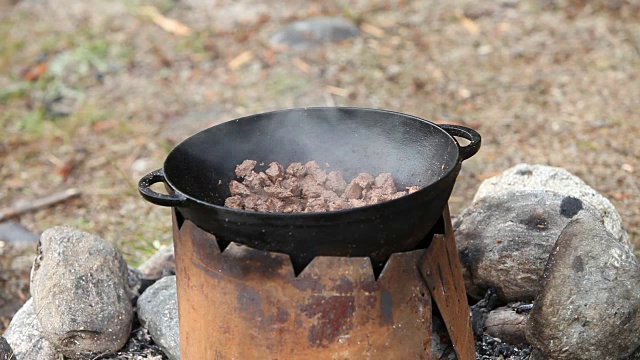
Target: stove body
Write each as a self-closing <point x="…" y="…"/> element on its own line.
<point x="242" y="303"/>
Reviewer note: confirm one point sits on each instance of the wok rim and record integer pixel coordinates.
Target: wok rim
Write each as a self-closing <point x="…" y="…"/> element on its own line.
<point x="302" y="215"/>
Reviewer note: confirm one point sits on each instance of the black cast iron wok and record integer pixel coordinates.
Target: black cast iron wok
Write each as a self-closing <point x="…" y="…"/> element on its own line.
<point x="352" y="140"/>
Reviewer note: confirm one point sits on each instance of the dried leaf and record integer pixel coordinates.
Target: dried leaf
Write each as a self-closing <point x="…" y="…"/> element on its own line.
<point x="300" y="64"/>
<point x="337" y="91"/>
<point x="65" y="169"/>
<point x="34" y="73"/>
<point x="241" y="59"/>
<point x="167" y="24"/>
<point x="104" y="125"/>
<point x="470" y="25"/>
<point x="372" y="30"/>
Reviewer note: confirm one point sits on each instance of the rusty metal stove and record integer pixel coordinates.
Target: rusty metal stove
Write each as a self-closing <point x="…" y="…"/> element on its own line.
<point x="243" y="303"/>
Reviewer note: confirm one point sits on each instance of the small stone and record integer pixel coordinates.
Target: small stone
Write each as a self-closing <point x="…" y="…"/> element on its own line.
<point x="542" y="177"/>
<point x="589" y="304"/>
<point x="25" y="337"/>
<point x="79" y="285"/>
<point x="158" y="312"/>
<point x="507" y="325"/>
<point x="504" y="240"/>
<point x="312" y="32"/>
<point x="15" y="239"/>
<point x="160" y="264"/>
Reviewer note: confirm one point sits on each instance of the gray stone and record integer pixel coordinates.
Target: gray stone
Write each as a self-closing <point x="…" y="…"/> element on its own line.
<point x="162" y="263"/>
<point x="504" y="240"/>
<point x="79" y="285"/>
<point x="15" y="239"/>
<point x="25" y="337"/>
<point x="158" y="312"/>
<point x="308" y="33"/>
<point x="6" y="353"/>
<point x="134" y="283"/>
<point x="589" y="305"/>
<point x="507" y="325"/>
<point x="542" y="177"/>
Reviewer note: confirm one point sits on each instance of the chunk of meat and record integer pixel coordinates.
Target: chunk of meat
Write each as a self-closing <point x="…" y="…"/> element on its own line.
<point x="385" y="183"/>
<point x="297" y="170"/>
<point x="275" y="172"/>
<point x="234" y="202"/>
<point x="318" y="173"/>
<point x="237" y="188"/>
<point x="353" y="190"/>
<point x="336" y="182"/>
<point x="245" y="168"/>
<point x="307" y="188"/>
<point x="364" y="180"/>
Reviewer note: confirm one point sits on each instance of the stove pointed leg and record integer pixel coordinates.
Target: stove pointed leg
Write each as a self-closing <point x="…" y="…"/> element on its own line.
<point x="441" y="270"/>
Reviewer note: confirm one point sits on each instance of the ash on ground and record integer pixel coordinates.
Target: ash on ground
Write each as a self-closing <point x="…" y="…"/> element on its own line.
<point x="140" y="346"/>
<point x="489" y="348"/>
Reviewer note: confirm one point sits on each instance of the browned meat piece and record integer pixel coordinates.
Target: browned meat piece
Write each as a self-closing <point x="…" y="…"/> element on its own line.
<point x="385" y="183"/>
<point x="376" y="195"/>
<point x="364" y="180"/>
<point x="307" y="188"/>
<point x="255" y="203"/>
<point x="278" y="191"/>
<point x="354" y="203"/>
<point x="275" y="205"/>
<point x="245" y="168"/>
<point x="257" y="181"/>
<point x="293" y="186"/>
<point x="297" y="170"/>
<point x="336" y="182"/>
<point x="353" y="190"/>
<point x="292" y="205"/>
<point x="399" y="194"/>
<point x="312" y="190"/>
<point x="316" y="205"/>
<point x="313" y="169"/>
<point x="338" y="204"/>
<point x="234" y="202"/>
<point x="275" y="172"/>
<point x="237" y="188"/>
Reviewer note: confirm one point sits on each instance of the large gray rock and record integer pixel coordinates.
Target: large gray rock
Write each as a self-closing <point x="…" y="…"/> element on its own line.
<point x="162" y="263"/>
<point x="589" y="305"/>
<point x="158" y="312"/>
<point x="542" y="177"/>
<point x="25" y="337"/>
<point x="307" y="33"/>
<point x="79" y="285"/>
<point x="504" y="240"/>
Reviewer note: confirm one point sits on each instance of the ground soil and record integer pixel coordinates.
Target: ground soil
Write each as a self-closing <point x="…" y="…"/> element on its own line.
<point x="93" y="94"/>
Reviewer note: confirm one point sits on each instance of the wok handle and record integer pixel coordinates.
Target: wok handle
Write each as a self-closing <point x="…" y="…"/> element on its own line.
<point x="155" y="197"/>
<point x="466" y="133"/>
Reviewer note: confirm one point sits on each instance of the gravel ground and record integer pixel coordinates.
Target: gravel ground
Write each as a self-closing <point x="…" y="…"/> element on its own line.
<point x="94" y="94"/>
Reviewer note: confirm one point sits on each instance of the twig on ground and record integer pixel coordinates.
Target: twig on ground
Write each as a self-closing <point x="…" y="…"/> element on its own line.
<point x="38" y="204"/>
